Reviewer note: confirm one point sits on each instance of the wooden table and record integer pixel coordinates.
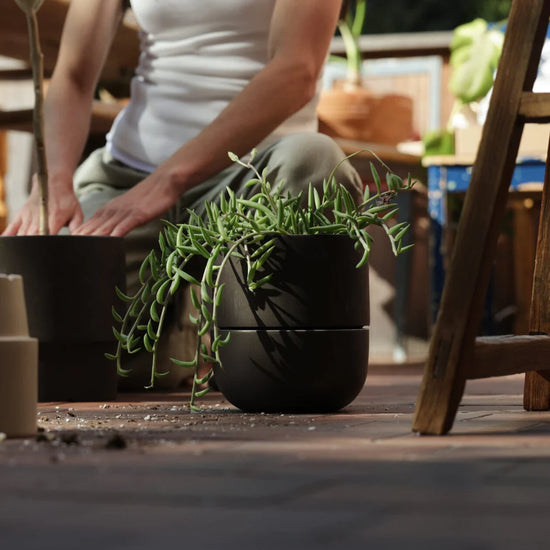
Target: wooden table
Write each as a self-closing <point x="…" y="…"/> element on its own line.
<point x="448" y="175"/>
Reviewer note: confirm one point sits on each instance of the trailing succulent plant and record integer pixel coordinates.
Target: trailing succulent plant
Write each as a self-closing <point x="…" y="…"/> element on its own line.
<point x="245" y="228"/>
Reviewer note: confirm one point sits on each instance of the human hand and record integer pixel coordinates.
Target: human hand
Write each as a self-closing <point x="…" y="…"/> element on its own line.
<point x="149" y="199"/>
<point x="63" y="210"/>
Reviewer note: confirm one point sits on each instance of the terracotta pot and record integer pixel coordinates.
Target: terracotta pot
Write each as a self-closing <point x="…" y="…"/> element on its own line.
<point x="18" y="362"/>
<point x="70" y="289"/>
<point x="300" y="342"/>
<point x="359" y="114"/>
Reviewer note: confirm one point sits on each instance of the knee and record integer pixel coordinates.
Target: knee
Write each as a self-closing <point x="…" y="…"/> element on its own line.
<point x="312" y="157"/>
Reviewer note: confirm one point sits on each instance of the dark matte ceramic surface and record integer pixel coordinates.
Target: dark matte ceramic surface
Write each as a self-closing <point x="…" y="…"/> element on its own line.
<point x="292" y="370"/>
<point x="315" y="284"/>
<point x="69" y="283"/>
<point x="76" y="372"/>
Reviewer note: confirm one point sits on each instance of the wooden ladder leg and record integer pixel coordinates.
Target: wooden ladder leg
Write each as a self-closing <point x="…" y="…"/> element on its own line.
<point x="536" y="391"/>
<point x="452" y="344"/>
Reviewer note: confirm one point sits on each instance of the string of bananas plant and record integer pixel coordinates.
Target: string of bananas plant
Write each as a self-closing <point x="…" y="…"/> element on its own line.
<point x="244" y="228"/>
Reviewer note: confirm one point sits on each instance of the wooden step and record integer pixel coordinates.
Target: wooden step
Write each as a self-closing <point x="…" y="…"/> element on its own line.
<point x="504" y="355"/>
<point x="535" y="107"/>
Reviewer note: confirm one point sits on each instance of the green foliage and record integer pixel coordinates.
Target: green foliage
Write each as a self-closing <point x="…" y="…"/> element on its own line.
<point x="242" y="228"/>
<point x="351" y="27"/>
<point x="439" y="142"/>
<point x="475" y="51"/>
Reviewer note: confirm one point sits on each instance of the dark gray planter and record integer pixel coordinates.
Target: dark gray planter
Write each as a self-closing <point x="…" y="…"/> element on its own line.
<point x="300" y="343"/>
<point x="69" y="284"/>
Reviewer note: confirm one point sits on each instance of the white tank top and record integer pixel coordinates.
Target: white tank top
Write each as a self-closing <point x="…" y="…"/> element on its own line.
<point x="196" y="55"/>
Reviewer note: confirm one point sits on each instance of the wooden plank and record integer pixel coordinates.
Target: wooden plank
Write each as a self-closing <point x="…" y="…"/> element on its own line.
<point x="504" y="355"/>
<point x="535" y="107"/>
<point x="399" y="44"/>
<point x="536" y="391"/>
<point x="525" y="221"/>
<point x="103" y="115"/>
<point x="452" y="344"/>
<point x="16" y="74"/>
<point x="3" y="168"/>
<point x="20" y="119"/>
<point x="388" y="153"/>
<point x="51" y="16"/>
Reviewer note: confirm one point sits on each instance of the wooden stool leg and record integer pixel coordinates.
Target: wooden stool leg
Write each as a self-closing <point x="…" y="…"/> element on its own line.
<point x="536" y="391"/>
<point x="3" y="163"/>
<point x="452" y="345"/>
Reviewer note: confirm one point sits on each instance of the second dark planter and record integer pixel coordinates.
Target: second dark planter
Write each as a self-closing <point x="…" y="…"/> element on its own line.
<point x="69" y="285"/>
<point x="300" y="342"/>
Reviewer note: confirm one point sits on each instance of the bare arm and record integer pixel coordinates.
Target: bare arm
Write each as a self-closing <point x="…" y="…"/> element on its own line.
<point x="300" y="35"/>
<point x="87" y="35"/>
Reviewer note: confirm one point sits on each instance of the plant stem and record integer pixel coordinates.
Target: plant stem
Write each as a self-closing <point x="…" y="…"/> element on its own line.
<point x="353" y="78"/>
<point x="37" y="61"/>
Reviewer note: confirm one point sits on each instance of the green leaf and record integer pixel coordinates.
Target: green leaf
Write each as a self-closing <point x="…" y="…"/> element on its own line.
<point x="219" y="294"/>
<point x="194" y="320"/>
<point x="475" y="51"/>
<point x="363" y="259"/>
<point x="187" y="277"/>
<point x="174" y="286"/>
<point x="206" y="313"/>
<point x="205" y="378"/>
<point x="153" y="312"/>
<point x="194" y="298"/>
<point x="397" y="227"/>
<point x="122" y="296"/>
<point x="161" y="374"/>
<point x="151" y="332"/>
<point x="116" y="315"/>
<point x="205" y="297"/>
<point x="185" y="364"/>
<point x="161" y="292"/>
<point x="375" y="177"/>
<point x="257" y="284"/>
<point x="147" y="343"/>
<point x="388" y="215"/>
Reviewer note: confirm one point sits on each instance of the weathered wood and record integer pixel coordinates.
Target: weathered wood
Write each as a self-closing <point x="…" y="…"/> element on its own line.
<point x="3" y="167"/>
<point x="536" y="391"/>
<point x="525" y="221"/>
<point x="15" y="74"/>
<point x="103" y="115"/>
<point x="399" y="45"/>
<point x="504" y="355"/>
<point x="452" y="344"/>
<point x="20" y="119"/>
<point x="14" y="40"/>
<point x="535" y="107"/>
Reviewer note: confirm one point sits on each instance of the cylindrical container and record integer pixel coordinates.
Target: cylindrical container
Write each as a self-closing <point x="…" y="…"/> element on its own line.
<point x="69" y="291"/>
<point x="299" y="343"/>
<point x="18" y="362"/>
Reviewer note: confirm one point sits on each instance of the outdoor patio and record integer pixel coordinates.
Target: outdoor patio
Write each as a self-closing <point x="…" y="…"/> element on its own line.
<point x="144" y="472"/>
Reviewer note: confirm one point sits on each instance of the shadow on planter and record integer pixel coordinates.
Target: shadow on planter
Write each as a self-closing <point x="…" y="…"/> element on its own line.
<point x="299" y="343"/>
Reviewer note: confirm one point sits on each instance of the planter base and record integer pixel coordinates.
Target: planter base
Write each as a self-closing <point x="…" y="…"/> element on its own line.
<point x="69" y="290"/>
<point x="293" y="371"/>
<point x="76" y="372"/>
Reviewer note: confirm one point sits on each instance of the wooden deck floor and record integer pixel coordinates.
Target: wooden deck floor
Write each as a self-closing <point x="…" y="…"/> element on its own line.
<point x="143" y="472"/>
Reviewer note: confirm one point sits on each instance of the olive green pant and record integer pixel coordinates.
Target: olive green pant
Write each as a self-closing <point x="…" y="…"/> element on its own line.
<point x="297" y="159"/>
